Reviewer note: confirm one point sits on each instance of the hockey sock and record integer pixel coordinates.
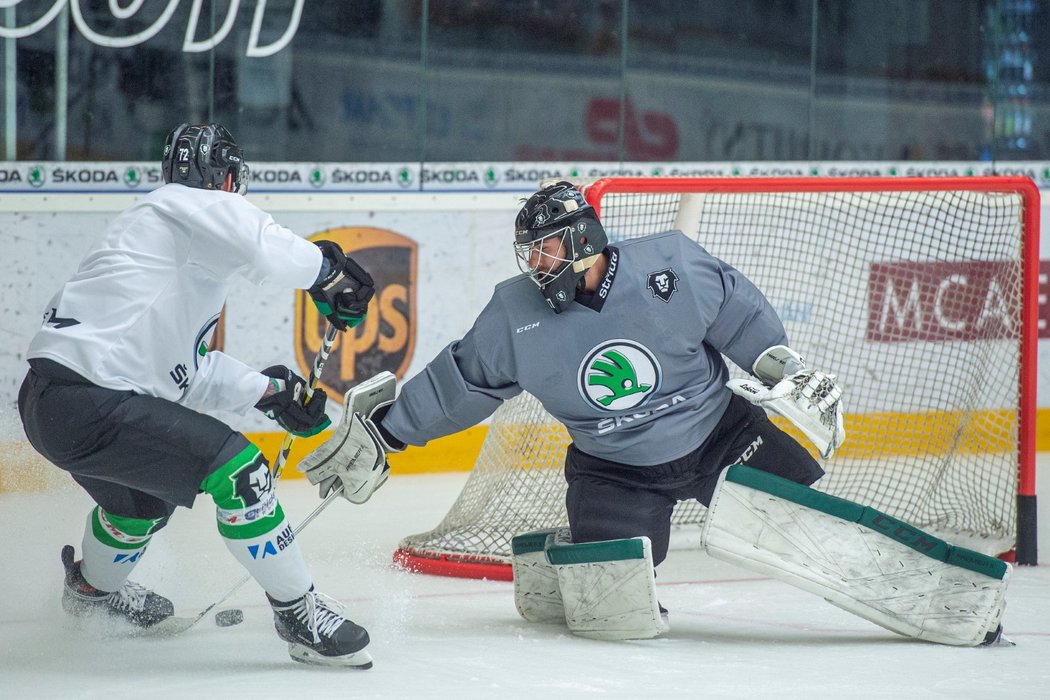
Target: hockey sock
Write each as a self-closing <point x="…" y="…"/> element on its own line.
<point x="112" y="546"/>
<point x="253" y="526"/>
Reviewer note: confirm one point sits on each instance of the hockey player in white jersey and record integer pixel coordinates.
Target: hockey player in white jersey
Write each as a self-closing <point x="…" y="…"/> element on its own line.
<point x="120" y="373"/>
<point x="624" y="345"/>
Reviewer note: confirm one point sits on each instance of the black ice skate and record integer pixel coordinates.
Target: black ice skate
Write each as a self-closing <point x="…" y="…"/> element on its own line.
<point x="317" y="633"/>
<point x="995" y="638"/>
<point x="131" y="603"/>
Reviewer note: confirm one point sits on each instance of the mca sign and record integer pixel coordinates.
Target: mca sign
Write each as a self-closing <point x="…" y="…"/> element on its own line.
<point x="386" y="338"/>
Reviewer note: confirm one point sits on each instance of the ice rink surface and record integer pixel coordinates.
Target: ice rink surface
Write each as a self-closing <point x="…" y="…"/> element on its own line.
<point x="733" y="634"/>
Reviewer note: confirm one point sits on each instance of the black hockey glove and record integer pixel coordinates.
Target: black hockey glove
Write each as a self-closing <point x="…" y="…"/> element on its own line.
<point x="343" y="290"/>
<point x="286" y="407"/>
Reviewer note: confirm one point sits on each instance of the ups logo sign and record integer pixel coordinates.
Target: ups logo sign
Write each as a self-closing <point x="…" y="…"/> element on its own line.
<point x="387" y="337"/>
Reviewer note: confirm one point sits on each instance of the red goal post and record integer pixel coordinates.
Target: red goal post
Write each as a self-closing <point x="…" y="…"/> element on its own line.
<point x="921" y="294"/>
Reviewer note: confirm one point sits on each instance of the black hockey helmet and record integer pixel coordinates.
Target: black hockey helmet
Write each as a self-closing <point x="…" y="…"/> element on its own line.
<point x="558" y="210"/>
<point x="202" y="155"/>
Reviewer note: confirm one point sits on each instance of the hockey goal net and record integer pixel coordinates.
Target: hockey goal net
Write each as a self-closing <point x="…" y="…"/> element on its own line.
<point x="919" y="294"/>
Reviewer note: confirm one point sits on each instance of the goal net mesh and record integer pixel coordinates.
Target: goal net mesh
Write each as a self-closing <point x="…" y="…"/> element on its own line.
<point x="911" y="298"/>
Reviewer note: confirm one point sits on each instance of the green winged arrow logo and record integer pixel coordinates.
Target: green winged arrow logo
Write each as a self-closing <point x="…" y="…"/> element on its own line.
<point x="617" y="375"/>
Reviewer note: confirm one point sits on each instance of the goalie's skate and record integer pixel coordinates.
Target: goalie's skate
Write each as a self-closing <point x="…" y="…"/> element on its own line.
<point x="996" y="639"/>
<point x="317" y="632"/>
<point x="131" y="603"/>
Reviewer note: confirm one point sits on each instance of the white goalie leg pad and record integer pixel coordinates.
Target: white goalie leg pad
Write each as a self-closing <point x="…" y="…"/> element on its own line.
<point x="608" y="589"/>
<point x="537" y="593"/>
<point x="355" y="454"/>
<point x="861" y="560"/>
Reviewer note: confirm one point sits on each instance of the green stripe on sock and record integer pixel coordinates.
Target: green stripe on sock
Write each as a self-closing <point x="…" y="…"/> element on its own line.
<point x="895" y="529"/>
<point x="219" y="482"/>
<point x="134" y="527"/>
<point x="251" y="529"/>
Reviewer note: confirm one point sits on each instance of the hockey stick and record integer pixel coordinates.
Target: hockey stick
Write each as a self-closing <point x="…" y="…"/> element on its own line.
<point x="176" y="625"/>
<point x="171" y="626"/>
<point x="311" y="385"/>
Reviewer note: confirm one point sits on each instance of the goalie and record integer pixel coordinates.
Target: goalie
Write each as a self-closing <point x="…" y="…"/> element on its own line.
<point x="623" y="344"/>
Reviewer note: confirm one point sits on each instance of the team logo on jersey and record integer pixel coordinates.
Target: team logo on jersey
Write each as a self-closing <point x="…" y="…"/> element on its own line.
<point x="209" y="337"/>
<point x="619" y="375"/>
<point x="663" y="284"/>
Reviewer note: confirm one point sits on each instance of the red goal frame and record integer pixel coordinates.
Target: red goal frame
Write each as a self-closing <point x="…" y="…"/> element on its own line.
<point x="1026" y="550"/>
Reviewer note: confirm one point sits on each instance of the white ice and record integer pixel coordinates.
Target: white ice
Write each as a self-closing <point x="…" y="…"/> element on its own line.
<point x="733" y="635"/>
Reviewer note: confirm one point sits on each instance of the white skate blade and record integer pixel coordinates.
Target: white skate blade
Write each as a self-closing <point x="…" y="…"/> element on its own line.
<point x="304" y="655"/>
<point x="1003" y="641"/>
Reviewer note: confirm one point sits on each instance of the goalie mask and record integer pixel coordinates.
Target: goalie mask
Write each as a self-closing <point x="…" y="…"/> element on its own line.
<point x="202" y="155"/>
<point x="557" y="237"/>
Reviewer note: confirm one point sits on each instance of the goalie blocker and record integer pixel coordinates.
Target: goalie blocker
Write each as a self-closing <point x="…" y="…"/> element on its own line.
<point x="353" y="459"/>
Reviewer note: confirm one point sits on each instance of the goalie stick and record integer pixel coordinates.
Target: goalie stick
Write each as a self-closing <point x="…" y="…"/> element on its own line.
<point x="177" y="625"/>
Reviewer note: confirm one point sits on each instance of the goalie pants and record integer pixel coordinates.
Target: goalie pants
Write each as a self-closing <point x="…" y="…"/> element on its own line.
<point x="136" y="456"/>
<point x="608" y="500"/>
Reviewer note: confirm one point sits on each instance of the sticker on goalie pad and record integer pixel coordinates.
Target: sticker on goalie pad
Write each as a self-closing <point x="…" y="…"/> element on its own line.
<point x="354" y="456"/>
<point x="811" y="400"/>
<point x="537" y="594"/>
<point x="608" y="589"/>
<point x="857" y="558"/>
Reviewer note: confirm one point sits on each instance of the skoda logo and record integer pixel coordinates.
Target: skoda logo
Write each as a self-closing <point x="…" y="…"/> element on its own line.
<point x="36" y="176"/>
<point x="132" y="177"/>
<point x="618" y="375"/>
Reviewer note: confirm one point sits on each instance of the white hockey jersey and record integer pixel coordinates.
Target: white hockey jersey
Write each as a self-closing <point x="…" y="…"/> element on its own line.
<point x="143" y="305"/>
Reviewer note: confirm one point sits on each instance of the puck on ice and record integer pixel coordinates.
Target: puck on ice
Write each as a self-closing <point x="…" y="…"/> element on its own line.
<point x="229" y="618"/>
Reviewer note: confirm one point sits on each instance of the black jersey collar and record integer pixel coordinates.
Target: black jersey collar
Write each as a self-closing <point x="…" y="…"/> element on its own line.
<point x="596" y="300"/>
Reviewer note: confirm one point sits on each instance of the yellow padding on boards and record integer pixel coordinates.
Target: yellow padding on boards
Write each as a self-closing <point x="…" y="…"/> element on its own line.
<point x="23" y="470"/>
<point x="455" y="453"/>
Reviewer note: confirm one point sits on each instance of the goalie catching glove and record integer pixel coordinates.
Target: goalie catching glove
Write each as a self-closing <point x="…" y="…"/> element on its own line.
<point x="285" y="403"/>
<point x="354" y="458"/>
<point x="343" y="288"/>
<point x="808" y="398"/>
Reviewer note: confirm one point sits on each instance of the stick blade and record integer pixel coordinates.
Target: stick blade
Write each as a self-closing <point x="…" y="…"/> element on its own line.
<point x="170" y="626"/>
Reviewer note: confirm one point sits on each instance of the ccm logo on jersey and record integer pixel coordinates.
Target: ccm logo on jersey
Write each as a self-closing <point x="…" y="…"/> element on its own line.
<point x="529" y="327"/>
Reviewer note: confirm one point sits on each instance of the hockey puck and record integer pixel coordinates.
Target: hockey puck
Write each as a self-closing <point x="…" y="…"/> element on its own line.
<point x="229" y="618"/>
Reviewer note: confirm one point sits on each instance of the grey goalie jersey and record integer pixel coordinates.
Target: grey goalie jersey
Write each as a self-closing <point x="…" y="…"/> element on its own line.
<point x="635" y="373"/>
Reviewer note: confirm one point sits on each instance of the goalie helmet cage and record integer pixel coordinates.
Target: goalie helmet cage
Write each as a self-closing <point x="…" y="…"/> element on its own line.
<point x="919" y="294"/>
